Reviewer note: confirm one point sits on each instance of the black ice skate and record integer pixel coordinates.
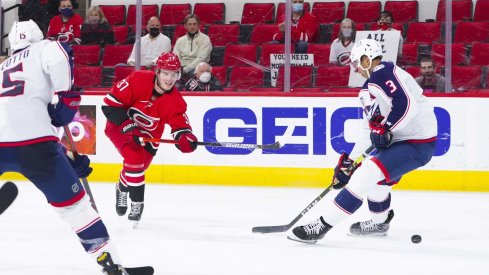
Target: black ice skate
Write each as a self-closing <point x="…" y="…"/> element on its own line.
<point x="310" y="233"/>
<point x="120" y="201"/>
<point x="136" y="211"/>
<point x="108" y="266"/>
<point x="369" y="228"/>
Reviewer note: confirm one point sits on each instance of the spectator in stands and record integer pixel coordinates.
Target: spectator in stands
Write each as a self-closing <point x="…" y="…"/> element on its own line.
<point x="96" y="29"/>
<point x="385" y="24"/>
<point x="341" y="46"/>
<point x="66" y="26"/>
<point x="153" y="45"/>
<point x="430" y="81"/>
<point x="193" y="47"/>
<point x="52" y="7"/>
<point x="304" y="27"/>
<point x="203" y="79"/>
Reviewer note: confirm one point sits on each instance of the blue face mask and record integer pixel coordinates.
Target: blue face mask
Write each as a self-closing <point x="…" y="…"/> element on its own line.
<point x="66" y="12"/>
<point x="297" y="7"/>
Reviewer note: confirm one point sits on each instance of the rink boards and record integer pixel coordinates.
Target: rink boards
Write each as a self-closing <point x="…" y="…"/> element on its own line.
<point x="323" y="127"/>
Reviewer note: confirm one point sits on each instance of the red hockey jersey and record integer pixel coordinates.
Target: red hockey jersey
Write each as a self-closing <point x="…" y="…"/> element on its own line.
<point x="69" y="30"/>
<point x="306" y="29"/>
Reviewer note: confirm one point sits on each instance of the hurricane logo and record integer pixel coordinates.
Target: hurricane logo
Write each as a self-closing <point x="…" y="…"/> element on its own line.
<point x="143" y="120"/>
<point x="343" y="58"/>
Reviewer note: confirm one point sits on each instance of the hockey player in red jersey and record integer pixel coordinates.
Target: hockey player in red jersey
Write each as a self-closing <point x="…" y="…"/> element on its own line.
<point x="139" y="106"/>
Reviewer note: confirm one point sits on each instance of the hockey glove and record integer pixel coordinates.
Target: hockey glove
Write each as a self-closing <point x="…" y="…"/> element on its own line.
<point x="129" y="127"/>
<point x="64" y="111"/>
<point x="379" y="135"/>
<point x="80" y="163"/>
<point x="187" y="142"/>
<point x="340" y="177"/>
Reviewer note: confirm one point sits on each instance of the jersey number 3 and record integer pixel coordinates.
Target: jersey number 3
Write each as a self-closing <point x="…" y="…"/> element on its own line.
<point x="13" y="87"/>
<point x="391" y="85"/>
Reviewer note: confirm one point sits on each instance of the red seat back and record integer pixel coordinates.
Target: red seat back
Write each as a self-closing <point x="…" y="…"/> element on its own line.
<point x="220" y="72"/>
<point x="87" y="76"/>
<point x="235" y="53"/>
<point x="258" y="13"/>
<point x="468" y="32"/>
<point x="115" y="54"/>
<point x="481" y="11"/>
<point x="263" y="33"/>
<point x="479" y="54"/>
<point x="458" y="54"/>
<point x="268" y="49"/>
<point x="115" y="14"/>
<point x="424" y="32"/>
<point x="121" y="33"/>
<point x="172" y="14"/>
<point x="364" y="12"/>
<point x="321" y="53"/>
<point x="413" y="70"/>
<point x="327" y="12"/>
<point x="221" y="35"/>
<point x="403" y="11"/>
<point x="147" y="12"/>
<point x="332" y="76"/>
<point x="246" y="76"/>
<point x="409" y="53"/>
<point x="86" y="54"/>
<point x="466" y="77"/>
<point x="461" y="10"/>
<point x="300" y="76"/>
<point x="211" y="13"/>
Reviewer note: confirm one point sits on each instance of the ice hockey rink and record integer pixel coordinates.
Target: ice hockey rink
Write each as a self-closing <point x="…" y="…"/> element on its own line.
<point x="197" y="229"/>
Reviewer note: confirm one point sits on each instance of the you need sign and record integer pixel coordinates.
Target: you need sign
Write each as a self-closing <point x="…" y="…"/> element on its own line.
<point x="278" y="60"/>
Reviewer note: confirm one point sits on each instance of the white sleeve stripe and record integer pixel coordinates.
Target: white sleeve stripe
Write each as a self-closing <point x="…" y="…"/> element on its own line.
<point x="112" y="99"/>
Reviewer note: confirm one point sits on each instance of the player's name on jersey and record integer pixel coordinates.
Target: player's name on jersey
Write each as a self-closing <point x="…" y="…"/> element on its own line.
<point x="296" y="59"/>
<point x="14" y="59"/>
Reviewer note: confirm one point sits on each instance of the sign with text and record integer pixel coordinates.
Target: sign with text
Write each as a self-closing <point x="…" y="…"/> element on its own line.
<point x="389" y="40"/>
<point x="277" y="60"/>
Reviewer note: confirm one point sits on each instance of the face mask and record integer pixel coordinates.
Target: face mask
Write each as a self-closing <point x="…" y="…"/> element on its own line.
<point x="154" y="32"/>
<point x="66" y="12"/>
<point x="384" y="26"/>
<point x="93" y="19"/>
<point x="205" y="77"/>
<point x="298" y="7"/>
<point x="347" y="32"/>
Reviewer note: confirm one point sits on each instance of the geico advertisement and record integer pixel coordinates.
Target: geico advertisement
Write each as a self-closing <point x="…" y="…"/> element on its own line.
<point x="313" y="130"/>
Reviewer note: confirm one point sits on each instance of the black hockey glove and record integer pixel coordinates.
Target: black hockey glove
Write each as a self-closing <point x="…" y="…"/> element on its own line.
<point x="340" y="177"/>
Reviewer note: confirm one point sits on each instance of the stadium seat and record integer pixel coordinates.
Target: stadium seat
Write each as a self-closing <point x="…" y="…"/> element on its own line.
<point x="263" y="33"/>
<point x="332" y="76"/>
<point x="481" y="11"/>
<point x="300" y="76"/>
<point x="469" y="32"/>
<point x="281" y="10"/>
<point x="328" y="12"/>
<point x="221" y="35"/>
<point x="336" y="30"/>
<point x="413" y="70"/>
<point x="173" y="14"/>
<point x="85" y="76"/>
<point x="147" y="12"/>
<point x="321" y="53"/>
<point x="86" y="54"/>
<point x="466" y="77"/>
<point x="402" y="11"/>
<point x="210" y="13"/>
<point x="364" y="12"/>
<point x="121" y="72"/>
<point x="424" y="32"/>
<point x="121" y="33"/>
<point x="409" y="54"/>
<point x="459" y="56"/>
<point x="461" y="10"/>
<point x="115" y="14"/>
<point x="221" y="73"/>
<point x="479" y="54"/>
<point x="115" y="54"/>
<point x="246" y="77"/>
<point x="234" y="53"/>
<point x="258" y="13"/>
<point x="268" y="49"/>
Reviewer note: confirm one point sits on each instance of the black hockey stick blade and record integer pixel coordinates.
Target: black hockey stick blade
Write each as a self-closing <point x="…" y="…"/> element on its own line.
<point x="142" y="270"/>
<point x="8" y="193"/>
<point x="271" y="228"/>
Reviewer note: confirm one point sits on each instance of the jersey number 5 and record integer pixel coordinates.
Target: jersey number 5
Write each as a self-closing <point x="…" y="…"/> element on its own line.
<point x="391" y="85"/>
<point x="16" y="85"/>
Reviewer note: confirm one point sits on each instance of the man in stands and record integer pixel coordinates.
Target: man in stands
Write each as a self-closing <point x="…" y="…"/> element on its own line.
<point x="385" y="24"/>
<point x="203" y="79"/>
<point x="430" y="81"/>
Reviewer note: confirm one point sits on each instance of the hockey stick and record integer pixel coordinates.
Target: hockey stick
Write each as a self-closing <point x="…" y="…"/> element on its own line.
<point x="8" y="193"/>
<point x="72" y="145"/>
<point x="275" y="145"/>
<point x="283" y="228"/>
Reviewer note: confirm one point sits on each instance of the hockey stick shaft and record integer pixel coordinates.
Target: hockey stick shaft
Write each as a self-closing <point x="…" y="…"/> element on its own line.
<point x="72" y="145"/>
<point x="285" y="227"/>
<point x="275" y="145"/>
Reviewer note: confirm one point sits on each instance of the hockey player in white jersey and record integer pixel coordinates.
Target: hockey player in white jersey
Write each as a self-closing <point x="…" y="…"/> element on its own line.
<point x="400" y="123"/>
<point x="36" y="72"/>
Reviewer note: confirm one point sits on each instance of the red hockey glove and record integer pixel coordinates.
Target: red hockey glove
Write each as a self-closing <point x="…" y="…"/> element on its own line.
<point x="187" y="142"/>
<point x="379" y="135"/>
<point x="340" y="177"/>
<point x="129" y="127"/>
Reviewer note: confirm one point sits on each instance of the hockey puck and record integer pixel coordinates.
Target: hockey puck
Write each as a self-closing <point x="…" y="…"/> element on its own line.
<point x="416" y="238"/>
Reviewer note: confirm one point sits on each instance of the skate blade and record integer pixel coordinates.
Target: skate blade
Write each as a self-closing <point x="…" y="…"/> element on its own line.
<point x="374" y="235"/>
<point x="135" y="225"/>
<point x="294" y="238"/>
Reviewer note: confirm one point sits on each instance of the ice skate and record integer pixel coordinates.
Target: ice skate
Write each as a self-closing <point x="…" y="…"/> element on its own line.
<point x="310" y="233"/>
<point x="136" y="211"/>
<point x="120" y="201"/>
<point x="369" y="228"/>
<point x="108" y="266"/>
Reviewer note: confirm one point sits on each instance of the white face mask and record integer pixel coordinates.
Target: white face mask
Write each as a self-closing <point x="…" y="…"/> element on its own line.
<point x="205" y="77"/>
<point x="346" y="32"/>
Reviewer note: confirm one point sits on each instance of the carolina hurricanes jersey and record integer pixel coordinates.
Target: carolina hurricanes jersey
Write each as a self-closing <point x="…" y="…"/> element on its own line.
<point x="151" y="111"/>
<point x="393" y="93"/>
<point x="73" y="25"/>
<point x="29" y="79"/>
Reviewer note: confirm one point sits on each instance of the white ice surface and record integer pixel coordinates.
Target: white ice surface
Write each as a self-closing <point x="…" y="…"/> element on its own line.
<point x="193" y="230"/>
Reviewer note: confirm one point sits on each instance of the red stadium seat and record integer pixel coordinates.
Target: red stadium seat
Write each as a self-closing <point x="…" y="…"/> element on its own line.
<point x="115" y="14"/>
<point x="221" y="35"/>
<point x="409" y="53"/>
<point x="263" y="33"/>
<point x="87" y="76"/>
<point x="121" y="33"/>
<point x="147" y="12"/>
<point x="424" y="32"/>
<point x="86" y="54"/>
<point x="328" y="12"/>
<point x="281" y="10"/>
<point x="258" y="13"/>
<point x="461" y="10"/>
<point x="332" y="76"/>
<point x="468" y="32"/>
<point x="336" y="30"/>
<point x="466" y="77"/>
<point x="300" y="76"/>
<point x="246" y="76"/>
<point x="481" y="11"/>
<point x="413" y="70"/>
<point x="364" y="12"/>
<point x="221" y="73"/>
<point x="210" y="13"/>
<point x="321" y="53"/>
<point x="479" y="54"/>
<point x="402" y="11"/>
<point x="122" y="72"/>
<point x="459" y="56"/>
<point x="268" y="49"/>
<point x="115" y="54"/>
<point x="173" y="14"/>
<point x="235" y="53"/>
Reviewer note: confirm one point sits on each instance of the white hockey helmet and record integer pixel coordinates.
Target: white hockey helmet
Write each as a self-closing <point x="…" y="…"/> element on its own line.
<point x="368" y="47"/>
<point x="23" y="34"/>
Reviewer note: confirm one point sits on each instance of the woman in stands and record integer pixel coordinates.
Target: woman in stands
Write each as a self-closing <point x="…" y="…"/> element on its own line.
<point x="96" y="29"/>
<point x="65" y="27"/>
<point x="341" y="46"/>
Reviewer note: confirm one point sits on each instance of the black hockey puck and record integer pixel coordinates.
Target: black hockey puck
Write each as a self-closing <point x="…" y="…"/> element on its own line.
<point x="416" y="238"/>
